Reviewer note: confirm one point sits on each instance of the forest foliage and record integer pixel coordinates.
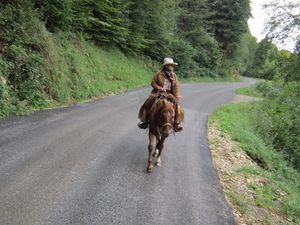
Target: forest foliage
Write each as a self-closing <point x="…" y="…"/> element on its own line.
<point x="37" y="37"/>
<point x="279" y="114"/>
<point x="54" y="52"/>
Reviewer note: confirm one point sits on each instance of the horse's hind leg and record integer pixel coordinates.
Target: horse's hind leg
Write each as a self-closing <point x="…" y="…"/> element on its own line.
<point x="160" y="147"/>
<point x="151" y="147"/>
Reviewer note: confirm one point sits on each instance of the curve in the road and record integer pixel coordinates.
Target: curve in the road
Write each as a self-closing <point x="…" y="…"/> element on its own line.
<point x="86" y="165"/>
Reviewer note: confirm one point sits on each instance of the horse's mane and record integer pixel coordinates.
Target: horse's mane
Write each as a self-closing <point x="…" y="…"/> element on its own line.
<point x="164" y="105"/>
<point x="167" y="105"/>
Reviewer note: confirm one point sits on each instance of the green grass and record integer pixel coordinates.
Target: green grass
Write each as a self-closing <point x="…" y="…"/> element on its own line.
<point x="86" y="70"/>
<point x="249" y="91"/>
<point x="238" y="121"/>
<point x="77" y="70"/>
<point x="239" y="201"/>
<point x="206" y="79"/>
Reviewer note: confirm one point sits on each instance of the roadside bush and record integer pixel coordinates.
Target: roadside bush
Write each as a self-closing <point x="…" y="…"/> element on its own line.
<point x="21" y="59"/>
<point x="9" y="102"/>
<point x="268" y="89"/>
<point x="278" y="119"/>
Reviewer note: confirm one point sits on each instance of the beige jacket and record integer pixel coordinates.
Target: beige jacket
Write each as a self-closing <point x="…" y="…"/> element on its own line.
<point x="158" y="83"/>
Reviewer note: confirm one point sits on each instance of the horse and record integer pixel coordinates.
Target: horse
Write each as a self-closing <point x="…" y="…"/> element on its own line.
<point x="161" y="125"/>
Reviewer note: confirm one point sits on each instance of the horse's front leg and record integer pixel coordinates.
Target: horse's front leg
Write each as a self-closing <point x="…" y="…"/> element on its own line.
<point x="151" y="147"/>
<point x="160" y="147"/>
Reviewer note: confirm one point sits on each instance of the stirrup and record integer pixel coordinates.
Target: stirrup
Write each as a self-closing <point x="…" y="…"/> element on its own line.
<point x="143" y="125"/>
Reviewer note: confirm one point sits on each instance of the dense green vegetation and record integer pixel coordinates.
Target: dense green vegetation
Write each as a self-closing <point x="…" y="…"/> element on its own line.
<point x="280" y="190"/>
<point x="68" y="70"/>
<point x="54" y="52"/>
<point x="278" y="120"/>
<point x="271" y="63"/>
<point x="249" y="91"/>
<point x="279" y="113"/>
<point x="283" y="26"/>
<point x="269" y="130"/>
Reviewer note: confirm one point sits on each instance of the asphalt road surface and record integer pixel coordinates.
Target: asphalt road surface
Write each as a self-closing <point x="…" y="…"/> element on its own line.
<point x="86" y="164"/>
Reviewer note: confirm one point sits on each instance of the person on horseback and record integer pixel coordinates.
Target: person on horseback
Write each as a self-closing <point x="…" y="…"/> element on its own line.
<point x="165" y="81"/>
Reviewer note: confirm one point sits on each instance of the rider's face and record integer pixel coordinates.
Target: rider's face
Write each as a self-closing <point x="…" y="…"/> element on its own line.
<point x="170" y="67"/>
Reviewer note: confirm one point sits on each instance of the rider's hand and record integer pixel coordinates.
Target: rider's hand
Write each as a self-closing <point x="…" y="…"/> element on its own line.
<point x="162" y="89"/>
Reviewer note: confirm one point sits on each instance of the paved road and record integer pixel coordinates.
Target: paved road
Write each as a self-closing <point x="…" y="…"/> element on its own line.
<point x="87" y="165"/>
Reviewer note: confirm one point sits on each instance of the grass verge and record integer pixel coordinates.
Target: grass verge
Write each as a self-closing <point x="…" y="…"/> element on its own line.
<point x="67" y="70"/>
<point x="258" y="183"/>
<point x="249" y="91"/>
<point x="203" y="79"/>
<point x="73" y="70"/>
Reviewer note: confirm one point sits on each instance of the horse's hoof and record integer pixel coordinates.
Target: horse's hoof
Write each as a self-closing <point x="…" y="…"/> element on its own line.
<point x="150" y="168"/>
<point x="158" y="162"/>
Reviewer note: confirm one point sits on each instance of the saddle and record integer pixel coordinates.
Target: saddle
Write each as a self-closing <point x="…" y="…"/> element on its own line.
<point x="167" y="96"/>
<point x="149" y="107"/>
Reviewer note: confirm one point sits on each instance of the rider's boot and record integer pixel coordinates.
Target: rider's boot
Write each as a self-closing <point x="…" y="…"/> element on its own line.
<point x="143" y="125"/>
<point x="177" y="128"/>
<point x="144" y="119"/>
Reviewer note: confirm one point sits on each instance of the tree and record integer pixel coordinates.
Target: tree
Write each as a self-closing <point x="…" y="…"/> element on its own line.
<point x="290" y="67"/>
<point x="265" y="61"/>
<point x="284" y="22"/>
<point x="245" y="52"/>
<point x="137" y="17"/>
<point x="56" y="13"/>
<point x="229" y="22"/>
<point x="160" y="27"/>
<point x="105" y="21"/>
<point x="193" y="28"/>
<point x="183" y="53"/>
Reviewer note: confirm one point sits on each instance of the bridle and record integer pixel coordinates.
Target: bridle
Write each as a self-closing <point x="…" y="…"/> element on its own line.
<point x="159" y="97"/>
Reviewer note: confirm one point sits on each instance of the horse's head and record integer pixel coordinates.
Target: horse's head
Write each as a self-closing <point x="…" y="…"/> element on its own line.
<point x="166" y="118"/>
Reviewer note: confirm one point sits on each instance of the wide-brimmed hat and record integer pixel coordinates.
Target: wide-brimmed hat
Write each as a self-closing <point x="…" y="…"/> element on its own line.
<point x="169" y="61"/>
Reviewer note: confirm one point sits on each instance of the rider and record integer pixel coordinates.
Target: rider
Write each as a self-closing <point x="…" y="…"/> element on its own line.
<point x="164" y="80"/>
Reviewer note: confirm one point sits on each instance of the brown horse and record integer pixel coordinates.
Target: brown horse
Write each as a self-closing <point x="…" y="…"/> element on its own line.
<point x="160" y="126"/>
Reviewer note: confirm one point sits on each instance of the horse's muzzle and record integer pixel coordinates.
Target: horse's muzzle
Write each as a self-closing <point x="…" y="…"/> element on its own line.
<point x="166" y="130"/>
